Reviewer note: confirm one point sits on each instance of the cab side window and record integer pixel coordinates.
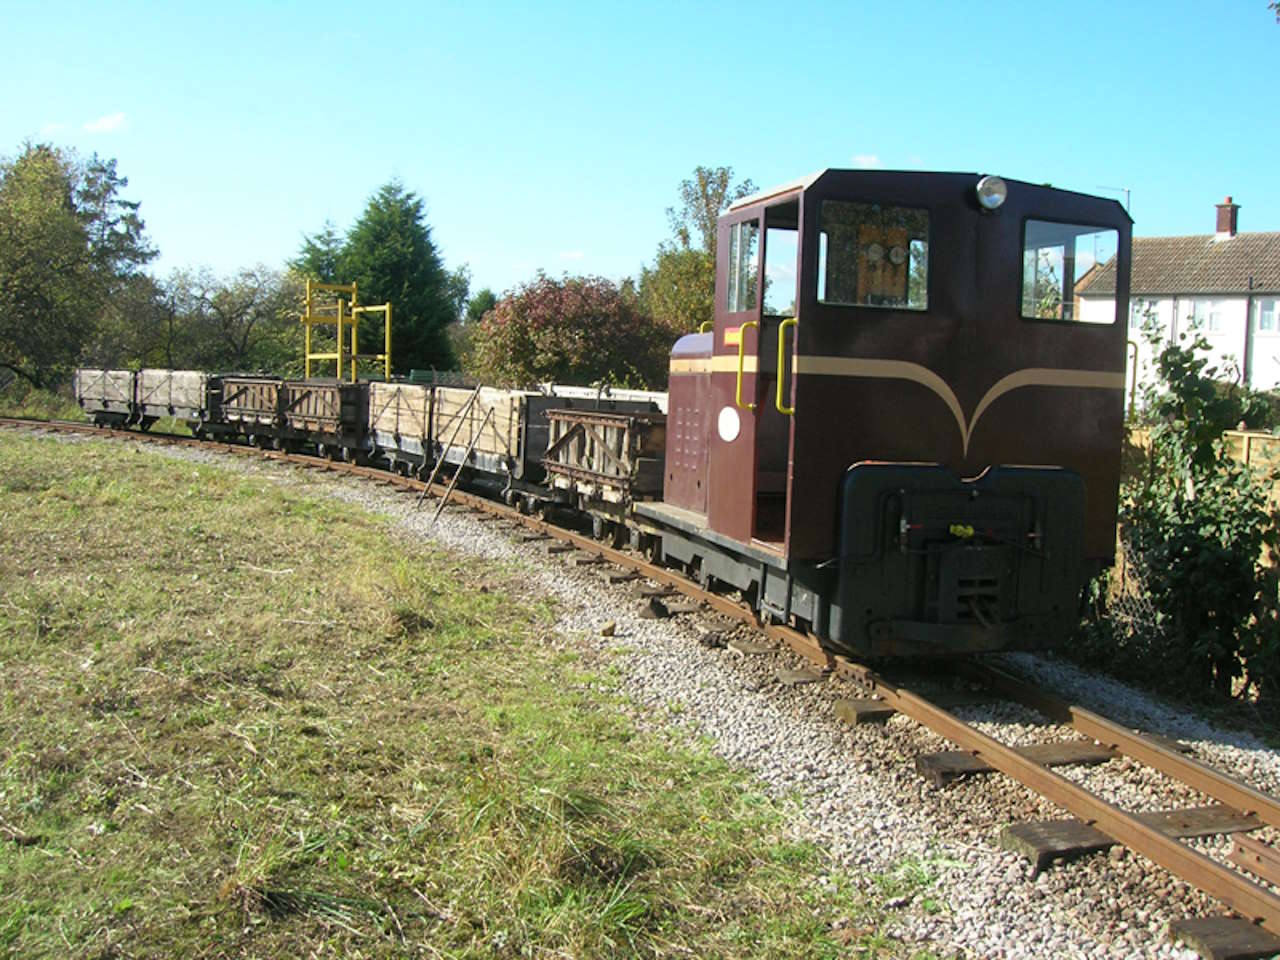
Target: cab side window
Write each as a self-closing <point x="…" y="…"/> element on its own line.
<point x="873" y="255"/>
<point x="744" y="257"/>
<point x="1060" y="261"/>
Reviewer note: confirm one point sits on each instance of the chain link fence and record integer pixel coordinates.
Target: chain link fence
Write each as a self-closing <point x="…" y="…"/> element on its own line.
<point x="1126" y="601"/>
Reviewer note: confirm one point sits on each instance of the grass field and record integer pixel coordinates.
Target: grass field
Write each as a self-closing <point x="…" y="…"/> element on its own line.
<point x="239" y="721"/>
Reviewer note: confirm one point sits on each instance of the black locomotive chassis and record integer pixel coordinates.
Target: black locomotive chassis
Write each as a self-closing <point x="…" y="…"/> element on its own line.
<point x="929" y="563"/>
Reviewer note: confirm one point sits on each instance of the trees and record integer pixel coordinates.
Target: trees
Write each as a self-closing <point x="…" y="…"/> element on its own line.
<point x="679" y="288"/>
<point x="135" y="328"/>
<point x="479" y="305"/>
<point x="702" y="199"/>
<point x="576" y="330"/>
<point x="68" y="243"/>
<point x="390" y="256"/>
<point x="321" y="255"/>
<point x="464" y="333"/>
<point x="248" y="321"/>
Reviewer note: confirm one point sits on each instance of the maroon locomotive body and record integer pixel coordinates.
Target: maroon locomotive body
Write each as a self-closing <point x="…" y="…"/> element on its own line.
<point x="904" y="431"/>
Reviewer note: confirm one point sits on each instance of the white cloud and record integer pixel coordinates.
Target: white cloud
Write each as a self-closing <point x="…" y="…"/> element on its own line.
<point x="106" y="124"/>
<point x="571" y="255"/>
<point x="49" y="129"/>
<point x="866" y="160"/>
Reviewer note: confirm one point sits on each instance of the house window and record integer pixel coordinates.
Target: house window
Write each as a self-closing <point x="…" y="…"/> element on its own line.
<point x="1058" y="262"/>
<point x="1139" y="312"/>
<point x="744" y="248"/>
<point x="1266" y="315"/>
<point x="873" y="255"/>
<point x="1207" y="315"/>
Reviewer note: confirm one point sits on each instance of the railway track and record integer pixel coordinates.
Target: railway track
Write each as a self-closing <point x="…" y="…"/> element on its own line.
<point x="1097" y="824"/>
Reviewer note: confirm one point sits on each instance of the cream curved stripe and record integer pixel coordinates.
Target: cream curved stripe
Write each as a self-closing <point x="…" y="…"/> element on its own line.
<point x="914" y="372"/>
<point x="721" y="364"/>
<point x="1044" y="377"/>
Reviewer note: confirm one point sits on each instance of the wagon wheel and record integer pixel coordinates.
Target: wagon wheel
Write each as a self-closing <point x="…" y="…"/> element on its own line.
<point x="146" y="423"/>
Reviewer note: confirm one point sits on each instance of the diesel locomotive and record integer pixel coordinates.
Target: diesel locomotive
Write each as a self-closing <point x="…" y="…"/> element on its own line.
<point x="902" y="432"/>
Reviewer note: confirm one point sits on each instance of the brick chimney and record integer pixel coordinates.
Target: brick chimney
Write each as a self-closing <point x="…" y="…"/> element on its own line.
<point x="1227" y="212"/>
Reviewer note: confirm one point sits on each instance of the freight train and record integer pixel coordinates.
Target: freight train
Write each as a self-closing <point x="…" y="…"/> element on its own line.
<point x="901" y="433"/>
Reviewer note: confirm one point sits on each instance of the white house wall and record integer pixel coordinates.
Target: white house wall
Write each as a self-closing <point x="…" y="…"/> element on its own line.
<point x="1226" y="344"/>
<point x="1161" y="313"/>
<point x="1265" y="372"/>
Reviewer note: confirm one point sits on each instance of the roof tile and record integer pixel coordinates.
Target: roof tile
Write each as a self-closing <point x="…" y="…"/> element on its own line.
<point x="1199" y="264"/>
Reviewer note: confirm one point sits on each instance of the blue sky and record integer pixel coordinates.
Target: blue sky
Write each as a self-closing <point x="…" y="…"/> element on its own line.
<point x="554" y="135"/>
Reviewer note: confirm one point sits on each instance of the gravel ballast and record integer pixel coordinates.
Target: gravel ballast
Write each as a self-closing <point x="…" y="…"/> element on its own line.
<point x="931" y="853"/>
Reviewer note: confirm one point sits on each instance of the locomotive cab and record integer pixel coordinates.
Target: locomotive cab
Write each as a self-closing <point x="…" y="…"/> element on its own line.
<point x="910" y="425"/>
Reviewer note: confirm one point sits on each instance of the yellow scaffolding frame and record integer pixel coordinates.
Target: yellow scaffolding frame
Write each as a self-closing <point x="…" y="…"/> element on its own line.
<point x="346" y="316"/>
<point x="356" y="313"/>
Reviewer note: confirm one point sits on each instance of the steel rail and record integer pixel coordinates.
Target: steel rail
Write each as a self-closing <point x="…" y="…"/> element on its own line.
<point x="1199" y="776"/>
<point x="1251" y="900"/>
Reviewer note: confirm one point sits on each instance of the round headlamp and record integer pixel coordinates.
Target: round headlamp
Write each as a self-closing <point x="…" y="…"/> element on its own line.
<point x="992" y="192"/>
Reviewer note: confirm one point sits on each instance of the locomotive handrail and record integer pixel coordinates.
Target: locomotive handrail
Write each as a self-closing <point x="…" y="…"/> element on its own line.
<point x="706" y="325"/>
<point x="742" y="356"/>
<point x="782" y="347"/>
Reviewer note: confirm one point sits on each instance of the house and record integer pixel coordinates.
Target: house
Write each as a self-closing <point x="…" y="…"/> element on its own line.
<point x="1225" y="284"/>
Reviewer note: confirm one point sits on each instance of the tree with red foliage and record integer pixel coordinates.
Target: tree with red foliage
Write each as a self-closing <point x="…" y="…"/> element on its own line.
<point x="577" y="330"/>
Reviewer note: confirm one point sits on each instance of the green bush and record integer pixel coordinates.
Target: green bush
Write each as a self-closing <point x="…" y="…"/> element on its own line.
<point x="19" y="399"/>
<point x="1197" y="526"/>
